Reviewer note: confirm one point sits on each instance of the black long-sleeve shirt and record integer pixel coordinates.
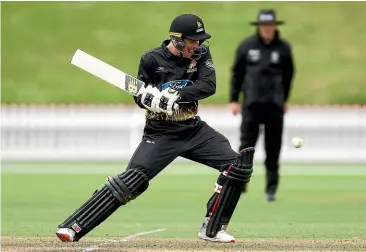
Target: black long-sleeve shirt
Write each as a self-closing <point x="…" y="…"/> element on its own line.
<point x="263" y="72"/>
<point x="158" y="66"/>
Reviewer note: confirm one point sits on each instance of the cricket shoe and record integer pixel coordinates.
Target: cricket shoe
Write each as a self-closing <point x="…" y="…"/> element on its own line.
<point x="222" y="236"/>
<point x="66" y="234"/>
<point x="270" y="197"/>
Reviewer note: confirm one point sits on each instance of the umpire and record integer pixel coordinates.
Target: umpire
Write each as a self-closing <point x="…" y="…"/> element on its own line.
<point x="263" y="69"/>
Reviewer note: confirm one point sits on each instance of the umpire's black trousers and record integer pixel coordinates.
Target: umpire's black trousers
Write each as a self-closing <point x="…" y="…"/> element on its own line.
<point x="271" y="116"/>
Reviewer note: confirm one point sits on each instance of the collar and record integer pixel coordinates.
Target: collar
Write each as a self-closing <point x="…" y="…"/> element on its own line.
<point x="167" y="53"/>
<point x="171" y="56"/>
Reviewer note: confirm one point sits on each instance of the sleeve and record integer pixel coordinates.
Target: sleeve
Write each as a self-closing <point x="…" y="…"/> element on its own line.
<point x="145" y="73"/>
<point x="238" y="72"/>
<point x="205" y="85"/>
<point x="288" y="72"/>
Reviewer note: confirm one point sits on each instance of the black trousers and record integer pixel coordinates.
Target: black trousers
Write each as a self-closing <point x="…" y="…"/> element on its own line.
<point x="193" y="139"/>
<point x="271" y="116"/>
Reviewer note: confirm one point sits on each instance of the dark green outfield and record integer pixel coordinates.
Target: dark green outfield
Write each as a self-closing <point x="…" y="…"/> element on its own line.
<point x="39" y="38"/>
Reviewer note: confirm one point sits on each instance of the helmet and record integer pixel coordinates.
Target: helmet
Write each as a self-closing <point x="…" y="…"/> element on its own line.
<point x="189" y="26"/>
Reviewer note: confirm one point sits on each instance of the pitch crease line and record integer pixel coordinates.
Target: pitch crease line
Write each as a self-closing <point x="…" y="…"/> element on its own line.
<point x="127" y="238"/>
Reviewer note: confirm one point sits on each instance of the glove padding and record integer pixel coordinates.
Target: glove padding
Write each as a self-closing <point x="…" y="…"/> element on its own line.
<point x="168" y="101"/>
<point x="150" y="98"/>
<point x="158" y="102"/>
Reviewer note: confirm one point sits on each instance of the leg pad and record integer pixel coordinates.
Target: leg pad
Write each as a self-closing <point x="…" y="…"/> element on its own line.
<point x="118" y="191"/>
<point x="223" y="203"/>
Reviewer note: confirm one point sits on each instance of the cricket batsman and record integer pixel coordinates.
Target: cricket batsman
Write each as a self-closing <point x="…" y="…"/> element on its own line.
<point x="178" y="74"/>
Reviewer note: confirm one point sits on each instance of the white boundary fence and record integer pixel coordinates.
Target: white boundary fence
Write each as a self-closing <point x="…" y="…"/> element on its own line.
<point x="111" y="133"/>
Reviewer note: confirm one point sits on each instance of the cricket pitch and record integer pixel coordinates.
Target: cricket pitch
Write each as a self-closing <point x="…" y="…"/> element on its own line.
<point x="52" y="244"/>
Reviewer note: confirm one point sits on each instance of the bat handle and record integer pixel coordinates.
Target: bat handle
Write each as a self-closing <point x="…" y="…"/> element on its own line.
<point x="141" y="90"/>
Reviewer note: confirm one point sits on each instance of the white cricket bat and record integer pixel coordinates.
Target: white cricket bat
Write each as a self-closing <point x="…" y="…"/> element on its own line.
<point x="107" y="72"/>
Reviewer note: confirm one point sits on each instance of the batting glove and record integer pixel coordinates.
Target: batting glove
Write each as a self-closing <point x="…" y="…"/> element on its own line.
<point x="169" y="99"/>
<point x="150" y="99"/>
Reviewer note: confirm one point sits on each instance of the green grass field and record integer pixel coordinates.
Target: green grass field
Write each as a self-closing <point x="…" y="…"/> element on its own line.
<point x="314" y="202"/>
<point x="39" y="38"/>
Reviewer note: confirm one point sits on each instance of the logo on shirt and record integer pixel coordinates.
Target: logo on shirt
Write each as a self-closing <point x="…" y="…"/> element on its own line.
<point x="161" y="70"/>
<point x="210" y="64"/>
<point x="275" y="57"/>
<point x="254" y="54"/>
<point x="191" y="67"/>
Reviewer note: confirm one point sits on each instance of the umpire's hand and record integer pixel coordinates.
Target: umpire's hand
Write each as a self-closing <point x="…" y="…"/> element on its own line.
<point x="235" y="108"/>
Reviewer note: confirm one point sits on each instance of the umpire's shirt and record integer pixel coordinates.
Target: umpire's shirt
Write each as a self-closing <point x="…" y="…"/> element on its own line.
<point x="262" y="71"/>
<point x="158" y="66"/>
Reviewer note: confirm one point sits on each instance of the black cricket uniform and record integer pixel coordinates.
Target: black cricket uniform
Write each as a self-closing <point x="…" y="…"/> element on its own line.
<point x="182" y="134"/>
<point x="263" y="72"/>
<point x="167" y="136"/>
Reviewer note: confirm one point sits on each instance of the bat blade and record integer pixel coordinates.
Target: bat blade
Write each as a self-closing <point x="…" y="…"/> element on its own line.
<point x="106" y="72"/>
